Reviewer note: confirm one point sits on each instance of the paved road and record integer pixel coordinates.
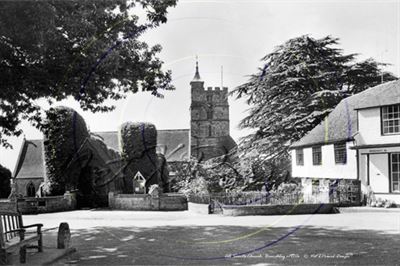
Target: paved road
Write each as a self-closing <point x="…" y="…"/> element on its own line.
<point x="184" y="238"/>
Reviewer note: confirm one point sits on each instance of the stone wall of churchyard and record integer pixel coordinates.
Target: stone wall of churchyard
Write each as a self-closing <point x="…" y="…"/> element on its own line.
<point x="7" y="205"/>
<point x="147" y="202"/>
<point x="67" y="202"/>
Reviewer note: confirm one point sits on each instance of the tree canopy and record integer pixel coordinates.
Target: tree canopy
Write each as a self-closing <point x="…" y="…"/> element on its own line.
<point x="299" y="83"/>
<point x="91" y="50"/>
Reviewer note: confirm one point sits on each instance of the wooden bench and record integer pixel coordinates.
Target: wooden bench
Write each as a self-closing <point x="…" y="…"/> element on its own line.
<point x="15" y="237"/>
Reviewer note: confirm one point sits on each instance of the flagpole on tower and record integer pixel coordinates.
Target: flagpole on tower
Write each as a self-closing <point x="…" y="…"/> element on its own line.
<point x="222" y="77"/>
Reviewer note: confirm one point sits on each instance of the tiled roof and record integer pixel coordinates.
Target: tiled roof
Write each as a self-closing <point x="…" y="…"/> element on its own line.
<point x="384" y="94"/>
<point x="341" y="123"/>
<point x="174" y="144"/>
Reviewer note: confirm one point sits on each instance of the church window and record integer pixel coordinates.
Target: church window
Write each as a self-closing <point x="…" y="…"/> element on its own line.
<point x="30" y="190"/>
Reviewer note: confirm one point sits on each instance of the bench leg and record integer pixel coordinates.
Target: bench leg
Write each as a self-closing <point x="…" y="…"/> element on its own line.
<point x="40" y="243"/>
<point x="3" y="257"/>
<point x="22" y="254"/>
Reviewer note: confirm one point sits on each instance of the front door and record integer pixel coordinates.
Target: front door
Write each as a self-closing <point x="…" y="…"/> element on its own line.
<point x="379" y="172"/>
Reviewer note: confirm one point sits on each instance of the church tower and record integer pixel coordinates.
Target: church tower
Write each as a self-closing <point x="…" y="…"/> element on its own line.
<point x="209" y="120"/>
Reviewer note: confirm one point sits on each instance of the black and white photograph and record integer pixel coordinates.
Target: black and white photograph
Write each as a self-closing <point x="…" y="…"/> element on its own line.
<point x="199" y="132"/>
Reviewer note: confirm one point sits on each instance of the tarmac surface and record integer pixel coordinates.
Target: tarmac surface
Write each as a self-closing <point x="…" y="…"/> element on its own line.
<point x="104" y="237"/>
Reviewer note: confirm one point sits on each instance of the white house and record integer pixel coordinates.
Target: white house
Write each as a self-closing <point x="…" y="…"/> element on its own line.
<point x="359" y="139"/>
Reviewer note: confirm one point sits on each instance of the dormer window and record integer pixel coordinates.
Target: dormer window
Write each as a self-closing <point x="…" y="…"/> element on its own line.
<point x="391" y="119"/>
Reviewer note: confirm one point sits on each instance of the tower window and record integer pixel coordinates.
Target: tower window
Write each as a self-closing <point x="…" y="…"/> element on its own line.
<point x="209" y="114"/>
<point x="209" y="98"/>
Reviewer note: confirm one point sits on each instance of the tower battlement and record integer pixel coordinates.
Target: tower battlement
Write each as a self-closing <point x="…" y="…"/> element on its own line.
<point x="224" y="89"/>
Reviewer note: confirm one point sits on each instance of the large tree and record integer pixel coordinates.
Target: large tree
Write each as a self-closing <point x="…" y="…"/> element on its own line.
<point x="91" y="50"/>
<point x="299" y="83"/>
<point x="5" y="177"/>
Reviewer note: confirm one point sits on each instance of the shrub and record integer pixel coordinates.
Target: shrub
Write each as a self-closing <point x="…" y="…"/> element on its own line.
<point x="5" y="177"/>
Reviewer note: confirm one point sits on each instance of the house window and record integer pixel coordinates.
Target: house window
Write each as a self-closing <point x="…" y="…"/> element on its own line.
<point x="391" y="119"/>
<point x="30" y="190"/>
<point x="317" y="155"/>
<point x="340" y="153"/>
<point x="299" y="157"/>
<point x="395" y="170"/>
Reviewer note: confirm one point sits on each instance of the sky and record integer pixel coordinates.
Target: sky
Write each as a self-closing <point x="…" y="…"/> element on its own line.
<point x="236" y="34"/>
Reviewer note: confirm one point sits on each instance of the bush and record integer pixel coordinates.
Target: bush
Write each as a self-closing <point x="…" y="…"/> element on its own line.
<point x="5" y="177"/>
<point x="138" y="144"/>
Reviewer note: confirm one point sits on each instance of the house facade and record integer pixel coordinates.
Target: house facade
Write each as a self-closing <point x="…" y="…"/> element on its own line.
<point x="358" y="140"/>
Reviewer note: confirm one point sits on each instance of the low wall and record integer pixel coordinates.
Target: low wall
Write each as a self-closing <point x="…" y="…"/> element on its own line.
<point x="67" y="202"/>
<point x="199" y="208"/>
<point x="278" y="209"/>
<point x="146" y="202"/>
<point x="8" y="205"/>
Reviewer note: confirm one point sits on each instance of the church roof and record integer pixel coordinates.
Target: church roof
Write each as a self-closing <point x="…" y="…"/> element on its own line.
<point x="174" y="144"/>
<point x="30" y="160"/>
<point x="341" y="123"/>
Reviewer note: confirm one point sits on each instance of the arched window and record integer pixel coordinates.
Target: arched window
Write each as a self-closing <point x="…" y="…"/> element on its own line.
<point x="30" y="190"/>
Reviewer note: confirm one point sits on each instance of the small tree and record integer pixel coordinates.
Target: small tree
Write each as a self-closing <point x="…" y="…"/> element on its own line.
<point x="5" y="177"/>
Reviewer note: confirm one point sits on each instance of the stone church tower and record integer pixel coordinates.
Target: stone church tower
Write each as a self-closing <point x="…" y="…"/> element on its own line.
<point x="209" y="120"/>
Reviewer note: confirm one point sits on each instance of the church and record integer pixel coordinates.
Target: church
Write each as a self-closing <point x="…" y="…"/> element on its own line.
<point x="208" y="137"/>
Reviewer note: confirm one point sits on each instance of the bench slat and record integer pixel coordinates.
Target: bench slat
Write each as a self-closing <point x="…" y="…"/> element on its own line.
<point x="13" y="224"/>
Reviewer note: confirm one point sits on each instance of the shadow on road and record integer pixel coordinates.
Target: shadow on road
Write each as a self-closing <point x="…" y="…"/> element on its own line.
<point x="205" y="245"/>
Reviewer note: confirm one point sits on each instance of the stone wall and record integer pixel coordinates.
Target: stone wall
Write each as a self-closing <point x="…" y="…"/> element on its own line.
<point x="278" y="209"/>
<point x="146" y="202"/>
<point x="345" y="192"/>
<point x="67" y="202"/>
<point x="7" y="205"/>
